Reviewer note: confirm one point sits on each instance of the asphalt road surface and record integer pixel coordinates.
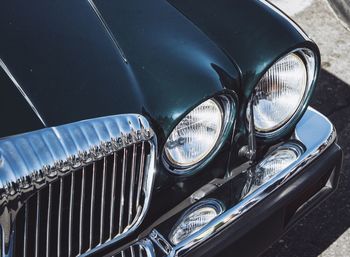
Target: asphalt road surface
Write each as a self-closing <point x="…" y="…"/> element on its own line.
<point x="324" y="232"/>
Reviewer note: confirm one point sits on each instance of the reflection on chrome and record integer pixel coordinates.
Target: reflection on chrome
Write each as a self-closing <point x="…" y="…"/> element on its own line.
<point x="308" y="147"/>
<point x="271" y="166"/>
<point x="33" y="162"/>
<point x="195" y="219"/>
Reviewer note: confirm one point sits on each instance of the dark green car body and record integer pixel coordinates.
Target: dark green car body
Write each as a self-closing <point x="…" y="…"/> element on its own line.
<point x="158" y="59"/>
<point x="76" y="60"/>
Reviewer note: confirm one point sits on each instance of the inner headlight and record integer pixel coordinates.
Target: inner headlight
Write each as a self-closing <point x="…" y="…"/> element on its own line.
<point x="195" y="136"/>
<point x="281" y="92"/>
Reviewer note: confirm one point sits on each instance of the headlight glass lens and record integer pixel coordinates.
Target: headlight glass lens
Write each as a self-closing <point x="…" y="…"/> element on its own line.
<point x="195" y="136"/>
<point x="272" y="165"/>
<point x="279" y="93"/>
<point x="194" y="220"/>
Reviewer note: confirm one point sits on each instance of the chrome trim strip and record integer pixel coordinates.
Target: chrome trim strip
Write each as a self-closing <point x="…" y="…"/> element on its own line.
<point x="315" y="144"/>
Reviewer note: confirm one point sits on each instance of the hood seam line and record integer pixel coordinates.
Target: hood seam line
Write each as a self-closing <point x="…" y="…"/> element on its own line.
<point x="20" y="89"/>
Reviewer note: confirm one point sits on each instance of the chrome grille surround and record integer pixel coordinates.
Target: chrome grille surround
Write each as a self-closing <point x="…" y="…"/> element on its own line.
<point x="33" y="161"/>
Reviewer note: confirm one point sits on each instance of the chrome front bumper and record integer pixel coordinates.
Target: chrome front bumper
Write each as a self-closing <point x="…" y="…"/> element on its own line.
<point x="314" y="132"/>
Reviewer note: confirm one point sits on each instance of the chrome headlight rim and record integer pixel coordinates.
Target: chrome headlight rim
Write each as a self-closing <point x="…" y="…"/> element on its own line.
<point x="227" y="101"/>
<point x="310" y="58"/>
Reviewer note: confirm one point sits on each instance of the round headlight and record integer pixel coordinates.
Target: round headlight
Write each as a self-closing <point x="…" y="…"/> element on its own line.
<point x="195" y="136"/>
<point x="282" y="90"/>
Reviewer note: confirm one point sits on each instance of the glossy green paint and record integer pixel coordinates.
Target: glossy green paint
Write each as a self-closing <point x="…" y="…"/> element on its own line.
<point x="252" y="32"/>
<point x="178" y="53"/>
<point x="16" y="115"/>
<point x="73" y="68"/>
<point x="177" y="65"/>
<point x="69" y="55"/>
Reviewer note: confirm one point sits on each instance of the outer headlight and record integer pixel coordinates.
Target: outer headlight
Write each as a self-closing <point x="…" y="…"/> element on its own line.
<point x="195" y="136"/>
<point x="282" y="91"/>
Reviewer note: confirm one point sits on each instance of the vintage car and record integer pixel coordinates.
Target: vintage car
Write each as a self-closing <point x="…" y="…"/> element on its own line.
<point x="157" y="128"/>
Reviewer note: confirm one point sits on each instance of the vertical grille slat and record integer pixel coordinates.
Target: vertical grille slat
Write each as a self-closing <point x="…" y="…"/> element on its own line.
<point x="122" y="200"/>
<point x="37" y="225"/>
<point x="85" y="208"/>
<point x="113" y="197"/>
<point x="92" y="204"/>
<point x="139" y="250"/>
<point x="71" y="210"/>
<point x="132" y="185"/>
<point x="132" y="251"/>
<point x="81" y="217"/>
<point x="48" y="221"/>
<point x="142" y="164"/>
<point x="104" y="175"/>
<point x="25" y="238"/>
<point x="76" y="212"/>
<point x="60" y="207"/>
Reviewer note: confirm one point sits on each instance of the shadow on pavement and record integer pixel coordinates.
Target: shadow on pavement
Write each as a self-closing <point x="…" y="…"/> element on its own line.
<point x="324" y="225"/>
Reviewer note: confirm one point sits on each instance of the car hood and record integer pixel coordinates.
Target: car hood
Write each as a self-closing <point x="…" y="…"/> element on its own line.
<point x="74" y="60"/>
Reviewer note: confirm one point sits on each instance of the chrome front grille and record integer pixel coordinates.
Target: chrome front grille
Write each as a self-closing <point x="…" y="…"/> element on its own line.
<point x="73" y="189"/>
<point x="86" y="208"/>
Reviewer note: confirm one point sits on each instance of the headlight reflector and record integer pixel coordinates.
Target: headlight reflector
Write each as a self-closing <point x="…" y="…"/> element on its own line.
<point x="196" y="135"/>
<point x="195" y="219"/>
<point x="280" y="159"/>
<point x="271" y="166"/>
<point x="281" y="91"/>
